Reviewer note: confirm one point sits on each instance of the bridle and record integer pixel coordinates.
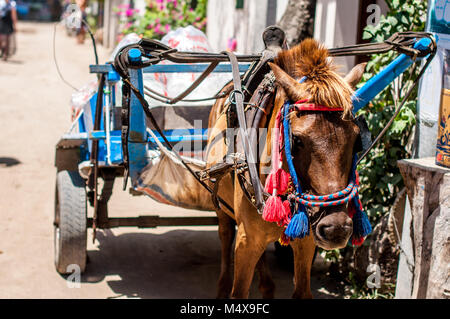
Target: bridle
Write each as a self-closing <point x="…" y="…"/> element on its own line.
<point x="294" y="213"/>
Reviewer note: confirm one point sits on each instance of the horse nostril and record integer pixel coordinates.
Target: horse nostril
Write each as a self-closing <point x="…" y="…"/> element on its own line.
<point x="334" y="232"/>
<point x="325" y="231"/>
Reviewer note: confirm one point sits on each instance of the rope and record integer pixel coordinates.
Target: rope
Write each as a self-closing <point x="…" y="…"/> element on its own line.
<point x="335" y="199"/>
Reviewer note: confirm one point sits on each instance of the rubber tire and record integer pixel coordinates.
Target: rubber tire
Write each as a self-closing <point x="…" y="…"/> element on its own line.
<point x="70" y="225"/>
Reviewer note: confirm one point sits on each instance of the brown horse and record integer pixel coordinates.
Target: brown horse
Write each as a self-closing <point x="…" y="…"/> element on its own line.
<point x="322" y="155"/>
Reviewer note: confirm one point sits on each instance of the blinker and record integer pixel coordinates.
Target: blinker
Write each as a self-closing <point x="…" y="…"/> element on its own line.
<point x="364" y="139"/>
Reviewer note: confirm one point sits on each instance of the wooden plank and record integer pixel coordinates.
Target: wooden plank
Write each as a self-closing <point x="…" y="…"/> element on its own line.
<point x="153" y="221"/>
<point x="428" y="188"/>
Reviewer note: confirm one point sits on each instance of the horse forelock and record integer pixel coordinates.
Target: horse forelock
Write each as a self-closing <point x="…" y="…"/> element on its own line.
<point x="323" y="85"/>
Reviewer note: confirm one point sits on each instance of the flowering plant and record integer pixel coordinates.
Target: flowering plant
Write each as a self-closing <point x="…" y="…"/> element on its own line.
<point x="161" y="16"/>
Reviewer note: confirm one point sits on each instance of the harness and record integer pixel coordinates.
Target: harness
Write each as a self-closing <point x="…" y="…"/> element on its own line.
<point x="293" y="213"/>
<point x="297" y="223"/>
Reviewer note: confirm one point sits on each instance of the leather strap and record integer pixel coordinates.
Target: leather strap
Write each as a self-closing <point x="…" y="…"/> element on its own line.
<point x="249" y="156"/>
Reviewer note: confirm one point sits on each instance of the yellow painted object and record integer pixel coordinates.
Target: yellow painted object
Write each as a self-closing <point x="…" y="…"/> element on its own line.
<point x="443" y="142"/>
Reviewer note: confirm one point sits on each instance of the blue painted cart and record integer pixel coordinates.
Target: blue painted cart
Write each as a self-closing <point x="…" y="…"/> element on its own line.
<point x="73" y="153"/>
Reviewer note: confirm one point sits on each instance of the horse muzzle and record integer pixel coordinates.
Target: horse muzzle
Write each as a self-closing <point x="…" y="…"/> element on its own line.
<point x="333" y="230"/>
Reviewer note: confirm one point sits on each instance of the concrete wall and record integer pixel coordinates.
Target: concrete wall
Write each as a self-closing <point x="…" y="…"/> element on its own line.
<point x="335" y="25"/>
<point x="246" y="25"/>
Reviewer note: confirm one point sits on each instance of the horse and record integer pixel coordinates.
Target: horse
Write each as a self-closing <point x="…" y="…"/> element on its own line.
<point x="322" y="153"/>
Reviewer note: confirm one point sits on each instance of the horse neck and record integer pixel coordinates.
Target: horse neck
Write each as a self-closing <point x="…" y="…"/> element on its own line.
<point x="265" y="160"/>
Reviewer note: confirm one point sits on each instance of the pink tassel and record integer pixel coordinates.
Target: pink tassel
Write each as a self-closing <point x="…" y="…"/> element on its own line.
<point x="283" y="181"/>
<point x="278" y="180"/>
<point x="288" y="214"/>
<point x="274" y="210"/>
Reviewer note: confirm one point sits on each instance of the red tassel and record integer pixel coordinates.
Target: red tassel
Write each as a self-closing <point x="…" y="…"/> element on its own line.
<point x="287" y="212"/>
<point x="278" y="180"/>
<point x="274" y="211"/>
<point x="268" y="187"/>
<point x="358" y="241"/>
<point x="284" y="240"/>
<point x="283" y="181"/>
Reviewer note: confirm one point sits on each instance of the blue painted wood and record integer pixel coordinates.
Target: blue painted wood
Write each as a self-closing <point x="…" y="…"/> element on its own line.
<point x="173" y="68"/>
<point x="116" y="147"/>
<point x="182" y="135"/>
<point x="101" y="68"/>
<point x="134" y="55"/>
<point x="97" y="135"/>
<point x="380" y="81"/>
<point x="137" y="137"/>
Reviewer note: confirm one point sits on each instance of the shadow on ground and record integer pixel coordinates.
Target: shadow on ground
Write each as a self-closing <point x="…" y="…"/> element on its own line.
<point x="179" y="264"/>
<point x="8" y="161"/>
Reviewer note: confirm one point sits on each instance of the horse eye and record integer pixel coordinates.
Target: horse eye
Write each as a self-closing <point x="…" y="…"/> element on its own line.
<point x="297" y="141"/>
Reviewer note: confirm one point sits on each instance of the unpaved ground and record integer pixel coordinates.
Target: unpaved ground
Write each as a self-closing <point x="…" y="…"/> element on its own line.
<point x="128" y="262"/>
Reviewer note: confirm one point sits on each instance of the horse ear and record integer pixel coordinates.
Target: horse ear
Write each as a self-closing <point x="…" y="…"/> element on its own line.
<point x="290" y="85"/>
<point x="355" y="75"/>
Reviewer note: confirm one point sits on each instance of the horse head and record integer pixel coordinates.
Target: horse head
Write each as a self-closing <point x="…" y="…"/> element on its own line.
<point x="322" y="142"/>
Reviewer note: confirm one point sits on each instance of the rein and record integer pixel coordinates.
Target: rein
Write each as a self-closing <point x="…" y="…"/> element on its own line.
<point x="292" y="213"/>
<point x="155" y="52"/>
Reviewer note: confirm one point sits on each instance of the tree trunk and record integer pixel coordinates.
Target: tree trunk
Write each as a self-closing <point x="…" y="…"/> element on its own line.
<point x="298" y="20"/>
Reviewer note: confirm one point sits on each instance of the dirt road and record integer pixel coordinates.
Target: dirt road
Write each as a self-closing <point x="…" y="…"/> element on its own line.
<point x="155" y="263"/>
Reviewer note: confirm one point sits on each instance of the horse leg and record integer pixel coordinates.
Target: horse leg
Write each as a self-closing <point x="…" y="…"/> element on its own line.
<point x="304" y="250"/>
<point x="227" y="233"/>
<point x="266" y="284"/>
<point x="248" y="251"/>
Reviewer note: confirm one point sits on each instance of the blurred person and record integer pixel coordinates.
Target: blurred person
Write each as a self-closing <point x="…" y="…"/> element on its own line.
<point x="81" y="32"/>
<point x="8" y="23"/>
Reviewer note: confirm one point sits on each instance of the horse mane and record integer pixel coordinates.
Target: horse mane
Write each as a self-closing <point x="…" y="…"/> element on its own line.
<point x="323" y="86"/>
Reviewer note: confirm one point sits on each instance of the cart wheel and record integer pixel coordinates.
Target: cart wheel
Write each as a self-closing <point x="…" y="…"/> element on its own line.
<point x="70" y="222"/>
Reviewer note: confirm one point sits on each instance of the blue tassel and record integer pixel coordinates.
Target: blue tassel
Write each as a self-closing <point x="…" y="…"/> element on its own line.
<point x="361" y="223"/>
<point x="298" y="227"/>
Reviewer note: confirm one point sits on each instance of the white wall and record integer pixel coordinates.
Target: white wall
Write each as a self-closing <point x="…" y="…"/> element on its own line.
<point x="246" y="25"/>
<point x="281" y="7"/>
<point x="335" y="25"/>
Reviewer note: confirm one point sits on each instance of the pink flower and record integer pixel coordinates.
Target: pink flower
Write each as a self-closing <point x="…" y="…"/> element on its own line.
<point x="174" y="2"/>
<point x="158" y="28"/>
<point x="129" y="12"/>
<point x="167" y="27"/>
<point x="231" y="44"/>
<point x="197" y="18"/>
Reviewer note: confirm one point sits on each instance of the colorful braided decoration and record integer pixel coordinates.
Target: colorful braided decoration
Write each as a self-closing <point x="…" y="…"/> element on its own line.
<point x="292" y="213"/>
